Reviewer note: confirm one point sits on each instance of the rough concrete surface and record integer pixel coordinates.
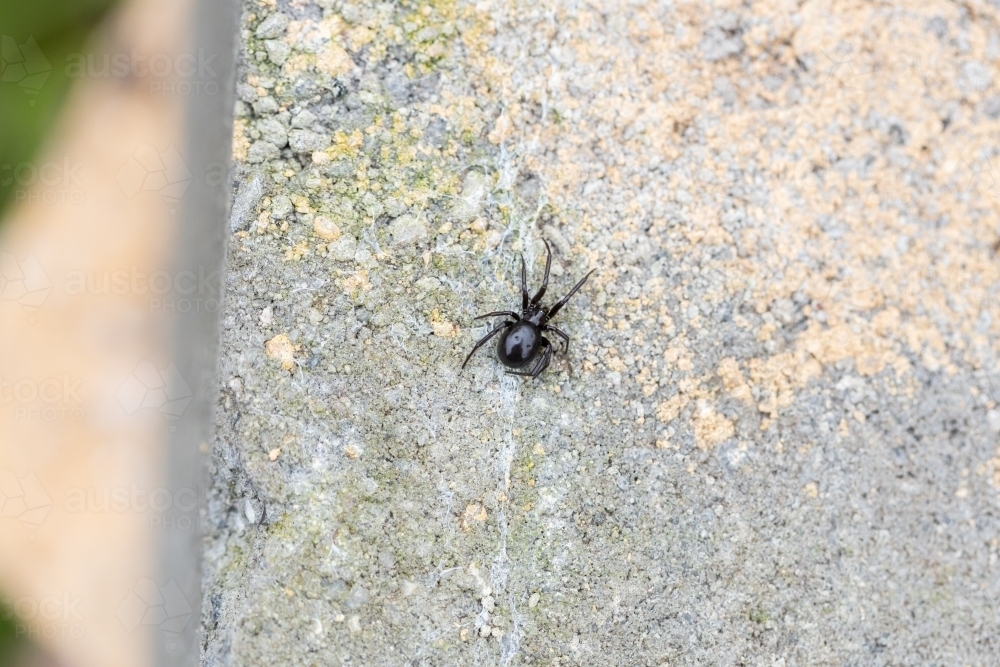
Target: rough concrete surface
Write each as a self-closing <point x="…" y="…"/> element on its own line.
<point x="774" y="438"/>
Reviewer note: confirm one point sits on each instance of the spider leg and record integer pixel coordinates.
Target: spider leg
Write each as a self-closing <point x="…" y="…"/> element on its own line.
<point x="524" y="286"/>
<point x="521" y="373"/>
<point x="562" y="302"/>
<point x="484" y="339"/>
<point x="546" y="359"/>
<point x="559" y="332"/>
<point x="545" y="281"/>
<point x="496" y="313"/>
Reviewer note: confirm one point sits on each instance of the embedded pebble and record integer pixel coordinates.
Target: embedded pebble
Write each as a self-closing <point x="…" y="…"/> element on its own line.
<point x="261" y="151"/>
<point x="305" y="141"/>
<point x="344" y="248"/>
<point x="357" y="598"/>
<point x="408" y="229"/>
<point x="469" y="202"/>
<point x="428" y="284"/>
<point x="281" y="206"/>
<point x="273" y="132"/>
<point x="277" y="51"/>
<point x="246" y="200"/>
<point x="250" y="511"/>
<point x="303" y="119"/>
<point x="325" y="228"/>
<point x="265" y="105"/>
<point x="272" y="26"/>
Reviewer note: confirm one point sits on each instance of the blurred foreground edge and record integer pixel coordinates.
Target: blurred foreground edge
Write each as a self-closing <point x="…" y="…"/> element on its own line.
<point x="201" y="245"/>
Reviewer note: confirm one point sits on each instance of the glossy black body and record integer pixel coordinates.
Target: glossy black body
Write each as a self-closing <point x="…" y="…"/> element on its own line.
<point x="522" y="343"/>
<point x="519" y="344"/>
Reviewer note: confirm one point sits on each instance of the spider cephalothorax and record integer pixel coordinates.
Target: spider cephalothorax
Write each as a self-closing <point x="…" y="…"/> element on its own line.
<point x="522" y="341"/>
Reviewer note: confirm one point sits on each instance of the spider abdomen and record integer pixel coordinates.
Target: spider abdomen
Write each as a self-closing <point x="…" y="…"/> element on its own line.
<point x="519" y="344"/>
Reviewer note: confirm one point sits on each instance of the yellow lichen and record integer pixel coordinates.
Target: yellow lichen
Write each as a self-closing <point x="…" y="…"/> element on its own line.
<point x="241" y="143"/>
<point x="710" y="427"/>
<point x="282" y="349"/>
<point x="334" y="60"/>
<point x="474" y="513"/>
<point x="733" y="380"/>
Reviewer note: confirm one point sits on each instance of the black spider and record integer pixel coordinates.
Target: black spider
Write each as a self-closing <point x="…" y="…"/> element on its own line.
<point x="522" y="339"/>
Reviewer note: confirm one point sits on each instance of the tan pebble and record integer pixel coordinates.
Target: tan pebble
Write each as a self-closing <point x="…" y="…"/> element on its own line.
<point x="325" y="228"/>
<point x="274" y="453"/>
<point x="444" y="329"/>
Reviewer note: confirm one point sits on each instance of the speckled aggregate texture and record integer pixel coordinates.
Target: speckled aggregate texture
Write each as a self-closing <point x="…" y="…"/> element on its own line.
<point x="774" y="439"/>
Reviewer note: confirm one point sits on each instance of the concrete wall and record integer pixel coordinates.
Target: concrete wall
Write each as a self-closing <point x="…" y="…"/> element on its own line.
<point x="774" y="438"/>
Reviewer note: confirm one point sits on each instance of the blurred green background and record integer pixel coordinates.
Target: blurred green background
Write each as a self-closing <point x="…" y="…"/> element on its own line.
<point x="11" y="646"/>
<point x="36" y="38"/>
